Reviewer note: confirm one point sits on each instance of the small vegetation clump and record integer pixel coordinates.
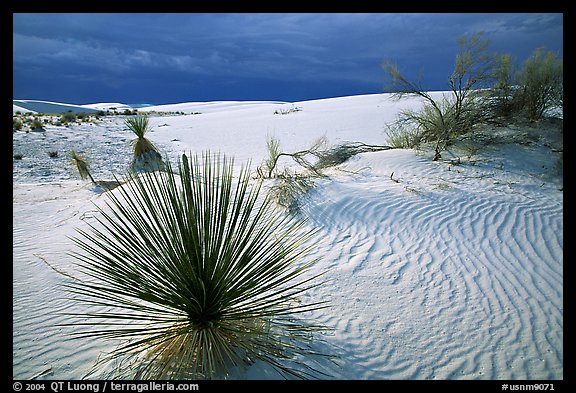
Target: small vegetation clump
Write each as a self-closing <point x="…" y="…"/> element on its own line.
<point x="16" y="124"/>
<point x="129" y="112"/>
<point x="292" y="109"/>
<point x="341" y="153"/>
<point x="37" y="124"/>
<point x="290" y="187"/>
<point x="67" y="117"/>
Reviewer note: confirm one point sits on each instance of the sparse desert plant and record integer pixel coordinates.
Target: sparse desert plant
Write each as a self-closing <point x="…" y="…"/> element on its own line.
<point x="18" y="156"/>
<point x="289" y="187"/>
<point x="403" y="136"/>
<point x="440" y="121"/>
<point x="67" y="117"/>
<point x="316" y="158"/>
<point x="273" y="146"/>
<point x="82" y="116"/>
<point x="341" y="153"/>
<point x="53" y="153"/>
<point x="540" y="84"/>
<point x="207" y="275"/>
<point x="128" y="112"/>
<point x="16" y="124"/>
<point x="81" y="165"/>
<point x="292" y="109"/>
<point x="140" y="125"/>
<point x="502" y="92"/>
<point x="37" y="124"/>
<point x="474" y="70"/>
<point x="302" y="157"/>
<point x="146" y="156"/>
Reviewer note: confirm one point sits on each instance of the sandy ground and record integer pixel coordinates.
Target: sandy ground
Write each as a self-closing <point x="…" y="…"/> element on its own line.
<point x="436" y="270"/>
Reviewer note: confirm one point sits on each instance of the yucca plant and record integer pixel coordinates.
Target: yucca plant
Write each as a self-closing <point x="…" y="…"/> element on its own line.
<point x="81" y="164"/>
<point x="146" y="156"/>
<point x="206" y="274"/>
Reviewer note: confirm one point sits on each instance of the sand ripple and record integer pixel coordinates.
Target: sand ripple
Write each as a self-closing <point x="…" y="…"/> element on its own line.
<point x="447" y="275"/>
<point x="469" y="278"/>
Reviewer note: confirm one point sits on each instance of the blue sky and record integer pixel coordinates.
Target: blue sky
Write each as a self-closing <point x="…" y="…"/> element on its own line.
<point x="168" y="58"/>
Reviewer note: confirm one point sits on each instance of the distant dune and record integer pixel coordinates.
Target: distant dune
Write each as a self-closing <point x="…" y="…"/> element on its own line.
<point x="16" y="108"/>
<point x="49" y="107"/>
<point x="105" y="106"/>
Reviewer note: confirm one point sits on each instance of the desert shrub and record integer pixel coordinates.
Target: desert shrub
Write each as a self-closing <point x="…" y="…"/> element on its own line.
<point x="292" y="109"/>
<point x="36" y="123"/>
<point x="208" y="274"/>
<point x="403" y="135"/>
<point x="289" y="190"/>
<point x="16" y="124"/>
<point x="273" y="148"/>
<point x="290" y="187"/>
<point x="53" y="153"/>
<point x="67" y="117"/>
<point x="305" y="158"/>
<point x="502" y="92"/>
<point x="440" y="121"/>
<point x="339" y="154"/>
<point x="540" y="84"/>
<point x="316" y="158"/>
<point x="129" y="112"/>
<point x="18" y="156"/>
<point x="474" y="71"/>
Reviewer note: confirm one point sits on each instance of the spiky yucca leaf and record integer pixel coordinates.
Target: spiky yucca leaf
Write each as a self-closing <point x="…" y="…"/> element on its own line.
<point x="205" y="273"/>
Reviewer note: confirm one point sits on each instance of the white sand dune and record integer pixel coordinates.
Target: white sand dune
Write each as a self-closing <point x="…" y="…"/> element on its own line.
<point x="16" y="108"/>
<point x="51" y="107"/>
<point x="451" y="275"/>
<point x="241" y="129"/>
<point x="104" y="106"/>
<point x="206" y="107"/>
<point x="434" y="270"/>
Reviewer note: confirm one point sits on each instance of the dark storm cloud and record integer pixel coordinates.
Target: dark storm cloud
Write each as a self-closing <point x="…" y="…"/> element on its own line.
<point x="222" y="56"/>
